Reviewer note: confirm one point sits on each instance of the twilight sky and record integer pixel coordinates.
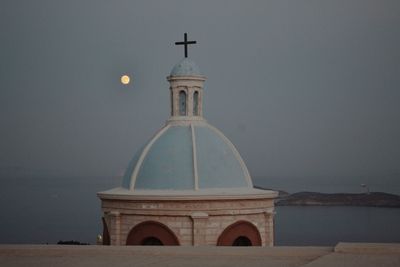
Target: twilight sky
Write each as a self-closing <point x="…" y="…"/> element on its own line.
<point x="302" y="88"/>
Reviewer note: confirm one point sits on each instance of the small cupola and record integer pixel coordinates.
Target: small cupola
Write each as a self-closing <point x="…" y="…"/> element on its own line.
<point x="186" y="85"/>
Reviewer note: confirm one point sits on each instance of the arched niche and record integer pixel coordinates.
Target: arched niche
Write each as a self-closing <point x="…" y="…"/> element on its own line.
<point x="240" y="233"/>
<point x="106" y="234"/>
<point x="151" y="233"/>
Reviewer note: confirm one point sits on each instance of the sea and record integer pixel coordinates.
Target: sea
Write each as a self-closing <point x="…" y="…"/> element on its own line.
<point x="46" y="210"/>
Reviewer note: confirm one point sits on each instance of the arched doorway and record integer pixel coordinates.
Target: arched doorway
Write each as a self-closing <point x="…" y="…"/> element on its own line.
<point x="242" y="241"/>
<point x="152" y="241"/>
<point x="106" y="234"/>
<point x="240" y="233"/>
<point x="151" y="233"/>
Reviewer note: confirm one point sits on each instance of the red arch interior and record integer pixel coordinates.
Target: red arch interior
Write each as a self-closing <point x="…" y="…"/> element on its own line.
<point x="238" y="229"/>
<point x="149" y="229"/>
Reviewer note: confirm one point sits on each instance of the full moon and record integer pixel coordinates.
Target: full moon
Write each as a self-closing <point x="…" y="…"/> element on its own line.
<point x="125" y="79"/>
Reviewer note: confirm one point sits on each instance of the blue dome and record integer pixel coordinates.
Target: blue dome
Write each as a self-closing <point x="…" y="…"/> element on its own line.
<point x="185" y="67"/>
<point x="187" y="157"/>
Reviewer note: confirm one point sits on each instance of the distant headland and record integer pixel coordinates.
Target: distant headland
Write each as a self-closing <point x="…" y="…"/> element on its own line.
<point x="372" y="199"/>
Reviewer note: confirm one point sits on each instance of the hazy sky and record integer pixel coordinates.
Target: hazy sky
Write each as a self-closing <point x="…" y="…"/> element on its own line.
<point x="300" y="87"/>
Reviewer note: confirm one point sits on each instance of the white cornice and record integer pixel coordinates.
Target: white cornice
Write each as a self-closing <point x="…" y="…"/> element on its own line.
<point x="185" y="120"/>
<point x="203" y="194"/>
<point x="189" y="78"/>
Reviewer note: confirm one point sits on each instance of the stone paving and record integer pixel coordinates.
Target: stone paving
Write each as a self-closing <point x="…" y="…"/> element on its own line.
<point x="344" y="254"/>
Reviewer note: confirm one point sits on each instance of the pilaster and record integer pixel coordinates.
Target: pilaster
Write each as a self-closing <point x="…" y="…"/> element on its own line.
<point x="115" y="231"/>
<point x="269" y="228"/>
<point x="200" y="220"/>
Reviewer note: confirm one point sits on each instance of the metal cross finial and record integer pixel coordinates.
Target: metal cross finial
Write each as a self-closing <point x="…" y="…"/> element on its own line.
<point x="185" y="43"/>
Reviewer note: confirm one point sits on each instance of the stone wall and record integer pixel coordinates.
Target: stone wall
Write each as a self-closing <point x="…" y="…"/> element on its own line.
<point x="194" y="222"/>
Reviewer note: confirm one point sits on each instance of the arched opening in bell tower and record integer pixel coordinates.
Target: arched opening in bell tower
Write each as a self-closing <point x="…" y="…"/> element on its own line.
<point x="182" y="103"/>
<point x="196" y="103"/>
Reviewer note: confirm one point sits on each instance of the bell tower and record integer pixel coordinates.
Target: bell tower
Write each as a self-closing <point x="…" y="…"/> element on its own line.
<point x="186" y="96"/>
<point x="186" y="85"/>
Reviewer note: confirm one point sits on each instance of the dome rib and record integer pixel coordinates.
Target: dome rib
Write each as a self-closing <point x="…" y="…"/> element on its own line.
<point x="219" y="163"/>
<point x="168" y="164"/>
<point x="196" y="174"/>
<point x="238" y="157"/>
<point x="144" y="154"/>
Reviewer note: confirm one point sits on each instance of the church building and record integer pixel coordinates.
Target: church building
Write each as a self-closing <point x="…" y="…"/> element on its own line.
<point x="188" y="185"/>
